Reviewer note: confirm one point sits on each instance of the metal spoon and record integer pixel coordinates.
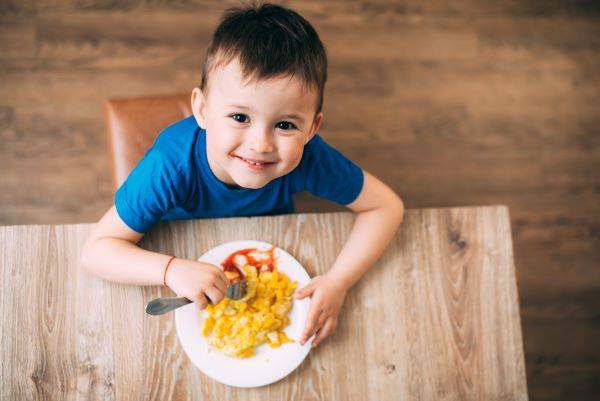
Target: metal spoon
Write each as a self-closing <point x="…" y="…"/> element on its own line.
<point x="159" y="306"/>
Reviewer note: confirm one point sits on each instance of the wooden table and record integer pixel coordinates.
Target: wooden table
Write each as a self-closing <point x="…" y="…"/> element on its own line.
<point x="436" y="319"/>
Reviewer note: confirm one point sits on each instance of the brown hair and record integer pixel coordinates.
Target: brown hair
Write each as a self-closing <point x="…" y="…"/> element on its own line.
<point x="269" y="41"/>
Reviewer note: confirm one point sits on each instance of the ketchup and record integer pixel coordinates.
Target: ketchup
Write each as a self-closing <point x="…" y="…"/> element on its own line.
<point x="229" y="265"/>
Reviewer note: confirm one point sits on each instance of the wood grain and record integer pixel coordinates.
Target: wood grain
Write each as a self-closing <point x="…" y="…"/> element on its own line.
<point x="451" y="103"/>
<point x="436" y="318"/>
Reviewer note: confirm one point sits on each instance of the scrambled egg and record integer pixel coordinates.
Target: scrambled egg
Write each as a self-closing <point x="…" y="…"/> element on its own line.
<point x="236" y="327"/>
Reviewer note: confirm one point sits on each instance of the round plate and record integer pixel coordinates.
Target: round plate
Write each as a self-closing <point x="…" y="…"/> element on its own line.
<point x="267" y="365"/>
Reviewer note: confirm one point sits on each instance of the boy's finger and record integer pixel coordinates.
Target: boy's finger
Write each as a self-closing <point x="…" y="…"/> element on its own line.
<point x="201" y="301"/>
<point x="322" y="320"/>
<point x="221" y="286"/>
<point x="223" y="278"/>
<point x="305" y="291"/>
<point x="214" y="294"/>
<point x="319" y="336"/>
<point x="311" y="324"/>
<point x="325" y="331"/>
<point x="220" y="274"/>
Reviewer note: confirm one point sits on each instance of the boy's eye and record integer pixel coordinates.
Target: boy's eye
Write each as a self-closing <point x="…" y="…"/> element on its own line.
<point x="285" y="125"/>
<point x="240" y="118"/>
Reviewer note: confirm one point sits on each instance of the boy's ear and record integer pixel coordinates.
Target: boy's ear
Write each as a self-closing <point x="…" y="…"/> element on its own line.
<point x="315" y="126"/>
<point x="199" y="107"/>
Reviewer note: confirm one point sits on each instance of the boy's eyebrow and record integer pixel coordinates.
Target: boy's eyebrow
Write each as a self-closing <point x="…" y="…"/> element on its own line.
<point x="293" y="117"/>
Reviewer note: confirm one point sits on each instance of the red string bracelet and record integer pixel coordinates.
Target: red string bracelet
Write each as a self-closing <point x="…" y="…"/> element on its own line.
<point x="165" y="272"/>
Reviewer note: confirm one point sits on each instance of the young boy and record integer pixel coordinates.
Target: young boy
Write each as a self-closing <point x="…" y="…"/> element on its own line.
<point x="250" y="144"/>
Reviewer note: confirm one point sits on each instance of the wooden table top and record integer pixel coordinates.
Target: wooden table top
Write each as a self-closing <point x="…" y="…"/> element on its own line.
<point x="436" y="318"/>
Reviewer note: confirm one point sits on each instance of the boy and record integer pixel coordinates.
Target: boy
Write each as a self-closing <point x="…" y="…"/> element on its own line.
<point x="250" y="144"/>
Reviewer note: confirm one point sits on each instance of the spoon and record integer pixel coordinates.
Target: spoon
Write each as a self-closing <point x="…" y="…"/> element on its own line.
<point x="158" y="306"/>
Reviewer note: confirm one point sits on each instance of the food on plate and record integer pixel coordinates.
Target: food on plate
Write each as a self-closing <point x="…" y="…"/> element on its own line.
<point x="237" y="327"/>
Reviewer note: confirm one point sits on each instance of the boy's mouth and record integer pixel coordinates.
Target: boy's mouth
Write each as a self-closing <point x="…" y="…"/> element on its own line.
<point x="255" y="164"/>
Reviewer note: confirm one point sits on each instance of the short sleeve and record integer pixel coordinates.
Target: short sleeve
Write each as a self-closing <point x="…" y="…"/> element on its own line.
<point x="327" y="173"/>
<point x="154" y="187"/>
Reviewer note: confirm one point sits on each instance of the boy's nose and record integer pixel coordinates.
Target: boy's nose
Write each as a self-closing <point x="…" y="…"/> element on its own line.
<point x="260" y="142"/>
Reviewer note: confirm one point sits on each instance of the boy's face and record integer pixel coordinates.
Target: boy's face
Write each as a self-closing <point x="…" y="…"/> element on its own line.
<point x="255" y="131"/>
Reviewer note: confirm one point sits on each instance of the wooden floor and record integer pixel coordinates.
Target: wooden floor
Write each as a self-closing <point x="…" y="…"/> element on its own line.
<point x="451" y="103"/>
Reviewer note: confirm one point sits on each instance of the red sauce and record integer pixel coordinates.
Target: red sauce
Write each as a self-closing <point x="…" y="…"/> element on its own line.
<point x="229" y="265"/>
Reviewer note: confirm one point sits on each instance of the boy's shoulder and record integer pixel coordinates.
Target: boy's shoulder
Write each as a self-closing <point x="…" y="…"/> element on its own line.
<point x="316" y="140"/>
<point x="316" y="150"/>
<point x="178" y="135"/>
<point x="312" y="149"/>
<point x="326" y="172"/>
<point x="176" y="143"/>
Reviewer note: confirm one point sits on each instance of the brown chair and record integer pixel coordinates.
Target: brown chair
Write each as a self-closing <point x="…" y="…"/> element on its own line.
<point x="133" y="124"/>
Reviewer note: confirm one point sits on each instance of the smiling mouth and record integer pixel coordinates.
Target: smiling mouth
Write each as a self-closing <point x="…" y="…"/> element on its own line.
<point x="256" y="164"/>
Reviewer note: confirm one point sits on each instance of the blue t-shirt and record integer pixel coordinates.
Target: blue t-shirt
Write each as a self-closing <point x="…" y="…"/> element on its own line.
<point x="174" y="181"/>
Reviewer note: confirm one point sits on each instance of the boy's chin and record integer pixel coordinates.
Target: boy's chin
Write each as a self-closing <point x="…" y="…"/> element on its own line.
<point x="251" y="183"/>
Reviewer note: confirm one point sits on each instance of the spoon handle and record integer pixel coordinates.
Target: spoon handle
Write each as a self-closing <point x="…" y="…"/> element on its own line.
<point x="159" y="306"/>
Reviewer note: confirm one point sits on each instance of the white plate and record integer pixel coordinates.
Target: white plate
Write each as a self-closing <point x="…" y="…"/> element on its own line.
<point x="268" y="364"/>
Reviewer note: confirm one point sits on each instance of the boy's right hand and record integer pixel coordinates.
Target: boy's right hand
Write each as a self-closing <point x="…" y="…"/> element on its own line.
<point x="197" y="281"/>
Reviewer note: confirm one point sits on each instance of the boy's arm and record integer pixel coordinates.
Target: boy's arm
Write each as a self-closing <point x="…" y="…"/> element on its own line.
<point x="379" y="214"/>
<point x="111" y="253"/>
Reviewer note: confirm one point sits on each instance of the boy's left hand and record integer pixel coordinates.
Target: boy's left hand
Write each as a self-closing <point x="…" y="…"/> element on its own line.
<point x="327" y="299"/>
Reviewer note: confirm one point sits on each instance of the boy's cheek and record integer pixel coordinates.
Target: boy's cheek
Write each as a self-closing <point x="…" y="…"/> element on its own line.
<point x="294" y="153"/>
<point x="222" y="142"/>
<point x="292" y="147"/>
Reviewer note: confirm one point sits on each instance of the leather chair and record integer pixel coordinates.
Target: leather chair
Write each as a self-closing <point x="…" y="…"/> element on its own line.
<point x="133" y="124"/>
